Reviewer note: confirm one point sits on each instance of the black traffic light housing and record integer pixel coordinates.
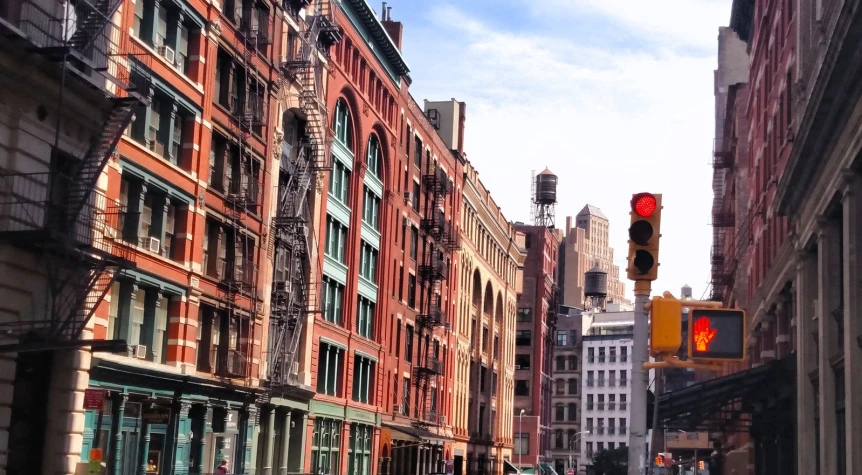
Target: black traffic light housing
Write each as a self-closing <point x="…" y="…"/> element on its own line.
<point x="644" y="234"/>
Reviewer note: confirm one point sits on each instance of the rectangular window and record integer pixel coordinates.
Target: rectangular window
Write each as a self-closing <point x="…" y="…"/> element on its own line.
<point x="522" y="444"/>
<point x="417" y="153"/>
<point x="573" y="411"/>
<point x="408" y="344"/>
<point x="525" y="315"/>
<point x="330" y="367"/>
<point x="414" y="242"/>
<point x="411" y="291"/>
<point x="336" y="239"/>
<point x="370" y="208"/>
<point x="405" y="397"/>
<point x="484" y="339"/>
<point x="363" y="379"/>
<point x="416" y="194"/>
<point x="332" y="296"/>
<point x="522" y="387"/>
<point x="522" y="361"/>
<point x="365" y="318"/>
<point x="562" y="337"/>
<point x="368" y="262"/>
<point x="160" y="338"/>
<point x="523" y="338"/>
<point x="339" y="182"/>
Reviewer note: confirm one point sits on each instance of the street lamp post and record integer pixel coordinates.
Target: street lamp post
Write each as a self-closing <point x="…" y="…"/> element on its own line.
<point x="571" y="446"/>
<point x="520" y="437"/>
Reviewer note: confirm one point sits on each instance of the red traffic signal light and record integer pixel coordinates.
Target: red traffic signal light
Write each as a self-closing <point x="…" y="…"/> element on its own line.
<point x="644" y="204"/>
<point x="701" y="465"/>
<point x="716" y="334"/>
<point x="644" y="236"/>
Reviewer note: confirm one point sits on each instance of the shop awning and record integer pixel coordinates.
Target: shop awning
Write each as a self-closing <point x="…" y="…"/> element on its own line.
<point x="414" y="434"/>
<point x="509" y="468"/>
<point x="400" y="432"/>
<point x="726" y="403"/>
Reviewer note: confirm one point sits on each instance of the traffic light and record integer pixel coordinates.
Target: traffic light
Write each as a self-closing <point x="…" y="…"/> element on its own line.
<point x="716" y="334"/>
<point x="700" y="465"/>
<point x="659" y="460"/>
<point x="644" y="236"/>
<point x="665" y="326"/>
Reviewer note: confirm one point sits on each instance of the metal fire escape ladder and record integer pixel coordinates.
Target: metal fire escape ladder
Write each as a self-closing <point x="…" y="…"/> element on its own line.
<point x="722" y="266"/>
<point x="295" y="297"/>
<point x="56" y="214"/>
<point x="239" y="276"/>
<point x="438" y="236"/>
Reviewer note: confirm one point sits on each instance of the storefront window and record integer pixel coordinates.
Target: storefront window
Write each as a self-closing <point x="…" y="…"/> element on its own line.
<point x="359" y="457"/>
<point x="154" y="455"/>
<point x="325" y="443"/>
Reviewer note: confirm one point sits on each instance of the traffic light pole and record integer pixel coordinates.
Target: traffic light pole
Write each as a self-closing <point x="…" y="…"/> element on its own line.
<point x="640" y="380"/>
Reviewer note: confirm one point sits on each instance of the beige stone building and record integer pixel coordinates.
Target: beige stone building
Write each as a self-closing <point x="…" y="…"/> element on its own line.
<point x="489" y="282"/>
<point x="583" y="247"/>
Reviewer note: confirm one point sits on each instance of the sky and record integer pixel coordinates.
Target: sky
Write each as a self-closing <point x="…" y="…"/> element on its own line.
<point x="614" y="96"/>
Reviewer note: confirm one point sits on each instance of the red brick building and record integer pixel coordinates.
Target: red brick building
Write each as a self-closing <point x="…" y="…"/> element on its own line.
<point x="752" y="255"/>
<point x="537" y="312"/>
<point x="382" y="355"/>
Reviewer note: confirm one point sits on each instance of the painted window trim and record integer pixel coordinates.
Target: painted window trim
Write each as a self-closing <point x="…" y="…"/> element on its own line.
<point x="130" y="167"/>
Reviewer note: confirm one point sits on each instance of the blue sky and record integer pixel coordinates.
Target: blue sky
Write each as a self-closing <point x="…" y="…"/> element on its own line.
<point x="614" y="96"/>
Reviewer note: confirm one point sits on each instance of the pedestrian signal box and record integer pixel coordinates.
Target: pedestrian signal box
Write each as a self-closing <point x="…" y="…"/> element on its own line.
<point x="716" y="334"/>
<point x="665" y="326"/>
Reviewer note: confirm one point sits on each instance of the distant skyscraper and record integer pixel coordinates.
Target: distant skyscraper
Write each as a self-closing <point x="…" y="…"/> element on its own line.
<point x="583" y="247"/>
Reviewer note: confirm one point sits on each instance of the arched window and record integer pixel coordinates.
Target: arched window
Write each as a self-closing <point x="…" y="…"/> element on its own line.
<point x="342" y="124"/>
<point x="373" y="157"/>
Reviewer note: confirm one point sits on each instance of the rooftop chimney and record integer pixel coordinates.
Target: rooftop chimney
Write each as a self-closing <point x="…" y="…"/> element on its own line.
<point x="394" y="28"/>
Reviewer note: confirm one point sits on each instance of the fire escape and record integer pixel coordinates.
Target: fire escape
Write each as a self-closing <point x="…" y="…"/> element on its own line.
<point x="57" y="215"/>
<point x="723" y="219"/>
<point x="439" y="238"/>
<point x="237" y="269"/>
<point x="293" y="294"/>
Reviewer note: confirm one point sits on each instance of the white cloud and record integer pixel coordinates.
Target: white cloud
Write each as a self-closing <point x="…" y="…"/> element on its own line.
<point x="609" y="123"/>
<point x="685" y="22"/>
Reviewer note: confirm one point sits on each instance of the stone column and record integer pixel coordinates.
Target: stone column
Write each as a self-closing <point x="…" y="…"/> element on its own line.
<point x="247" y="433"/>
<point x="806" y="359"/>
<point x="268" y="461"/>
<point x="118" y="435"/>
<point x="182" y="442"/>
<point x="829" y="265"/>
<point x="852" y="257"/>
<point x="144" y="450"/>
<point x="283" y="463"/>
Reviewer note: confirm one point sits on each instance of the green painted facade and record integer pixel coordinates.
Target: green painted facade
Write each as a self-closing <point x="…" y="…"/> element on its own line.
<point x="158" y="423"/>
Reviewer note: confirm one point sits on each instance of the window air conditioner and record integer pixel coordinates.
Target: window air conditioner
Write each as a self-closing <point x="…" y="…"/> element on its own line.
<point x="397" y="408"/>
<point x="139" y="351"/>
<point x="408" y="196"/>
<point x="167" y="52"/>
<point x="154" y="245"/>
<point x="294" y="368"/>
<point x="517" y="366"/>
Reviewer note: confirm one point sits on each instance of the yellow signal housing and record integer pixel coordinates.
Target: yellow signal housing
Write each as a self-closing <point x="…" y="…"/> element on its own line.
<point x="665" y="326"/>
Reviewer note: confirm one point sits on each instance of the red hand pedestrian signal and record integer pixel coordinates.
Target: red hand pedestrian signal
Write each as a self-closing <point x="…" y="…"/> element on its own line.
<point x="703" y="334"/>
